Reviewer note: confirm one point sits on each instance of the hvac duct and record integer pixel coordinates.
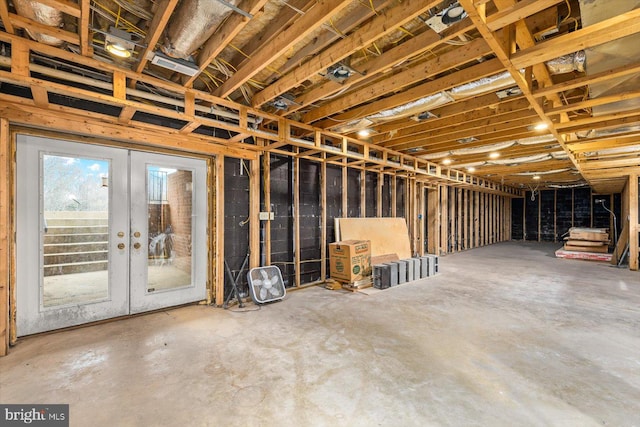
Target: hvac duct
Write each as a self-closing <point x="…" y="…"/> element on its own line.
<point x="42" y="14"/>
<point x="568" y="63"/>
<point x="194" y="22"/>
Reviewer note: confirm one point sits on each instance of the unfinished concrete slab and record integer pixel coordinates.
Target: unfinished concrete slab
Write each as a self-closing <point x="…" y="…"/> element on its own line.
<point x="504" y="335"/>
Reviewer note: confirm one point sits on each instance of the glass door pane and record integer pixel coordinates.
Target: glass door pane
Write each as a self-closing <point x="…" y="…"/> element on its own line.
<point x="75" y="196"/>
<point x="169" y="203"/>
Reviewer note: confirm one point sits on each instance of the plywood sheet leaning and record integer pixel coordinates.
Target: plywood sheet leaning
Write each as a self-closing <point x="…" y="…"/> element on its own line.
<point x="387" y="235"/>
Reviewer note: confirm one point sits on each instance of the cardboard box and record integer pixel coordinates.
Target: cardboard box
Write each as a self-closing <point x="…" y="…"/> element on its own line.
<point x="350" y="260"/>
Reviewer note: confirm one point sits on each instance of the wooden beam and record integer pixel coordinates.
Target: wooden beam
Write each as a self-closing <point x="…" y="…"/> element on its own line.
<point x="296" y="220"/>
<point x="21" y="22"/>
<point x="20" y="58"/>
<point x="266" y="178"/>
<point x="218" y="195"/>
<point x="634" y="226"/>
<point x="444" y="219"/>
<point x="433" y="218"/>
<point x="302" y="27"/>
<point x="417" y="73"/>
<point x="380" y="26"/>
<point x="254" y="213"/>
<point x="476" y="72"/>
<point x="386" y="61"/>
<point x="84" y="35"/>
<point x="225" y="34"/>
<point x="604" y="31"/>
<point x="380" y="184"/>
<point x="40" y="96"/>
<point x="156" y="28"/>
<point x="345" y="187"/>
<point x="517" y="12"/>
<point x="363" y="194"/>
<point x="5" y="231"/>
<point x="4" y="16"/>
<point x="323" y="219"/>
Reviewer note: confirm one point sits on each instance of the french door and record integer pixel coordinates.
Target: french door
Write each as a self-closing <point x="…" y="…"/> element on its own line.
<point x="104" y="232"/>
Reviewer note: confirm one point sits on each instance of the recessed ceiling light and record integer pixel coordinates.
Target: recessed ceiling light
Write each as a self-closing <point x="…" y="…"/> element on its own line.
<point x="541" y="126"/>
<point x="471" y="169"/>
<point x="467" y="140"/>
<point x="494" y="155"/>
<point x="446" y="161"/>
<point x="536" y="177"/>
<point x="363" y="133"/>
<point x="118" y="43"/>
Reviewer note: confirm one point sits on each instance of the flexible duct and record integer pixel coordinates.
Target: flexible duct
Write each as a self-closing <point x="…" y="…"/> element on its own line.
<point x="481" y="86"/>
<point x="491" y="147"/>
<point x="194" y="22"/>
<point x="413" y="107"/>
<point x="568" y="63"/>
<point x="42" y="14"/>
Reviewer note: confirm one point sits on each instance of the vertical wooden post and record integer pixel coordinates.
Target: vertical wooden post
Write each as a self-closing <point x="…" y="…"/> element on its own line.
<point x="573" y="195"/>
<point x="363" y="194"/>
<point x="254" y="213"/>
<point x="433" y="201"/>
<point x="444" y="219"/>
<point x="539" y="216"/>
<point x="476" y="219"/>
<point x="5" y="233"/>
<point x="423" y="215"/>
<point x="296" y="219"/>
<point x="379" y="193"/>
<point x="345" y="187"/>
<point x="266" y="177"/>
<point x="634" y="227"/>
<point x="394" y="199"/>
<point x="218" y="285"/>
<point x="460" y="224"/>
<point x="323" y="218"/>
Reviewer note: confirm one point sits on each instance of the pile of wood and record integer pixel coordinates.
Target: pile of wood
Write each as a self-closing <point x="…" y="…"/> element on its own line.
<point x="587" y="240"/>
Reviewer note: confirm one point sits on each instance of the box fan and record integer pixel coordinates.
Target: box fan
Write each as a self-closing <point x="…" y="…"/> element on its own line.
<point x="266" y="284"/>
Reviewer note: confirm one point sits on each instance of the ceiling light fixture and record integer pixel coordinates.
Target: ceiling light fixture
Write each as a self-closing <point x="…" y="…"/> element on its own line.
<point x="446" y="161"/>
<point x="471" y="169"/>
<point x="494" y="155"/>
<point x="536" y="177"/>
<point x="118" y="42"/>
<point x="541" y="126"/>
<point x="364" y="133"/>
<point x="453" y="14"/>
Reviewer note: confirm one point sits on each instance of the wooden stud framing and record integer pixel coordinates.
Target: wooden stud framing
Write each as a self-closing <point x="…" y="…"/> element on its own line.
<point x="254" y="213"/>
<point x="323" y="218"/>
<point x="363" y="194"/>
<point x="444" y="219"/>
<point x="296" y="219"/>
<point x="634" y="226"/>
<point x="5" y="233"/>
<point x="266" y="182"/>
<point x="394" y="199"/>
<point x="345" y="187"/>
<point x="433" y="216"/>
<point x="219" y="231"/>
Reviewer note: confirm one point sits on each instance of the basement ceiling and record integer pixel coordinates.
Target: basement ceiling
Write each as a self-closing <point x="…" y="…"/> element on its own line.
<point x="523" y="93"/>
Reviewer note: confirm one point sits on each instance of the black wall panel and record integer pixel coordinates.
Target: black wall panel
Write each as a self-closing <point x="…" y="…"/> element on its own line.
<point x="310" y="221"/>
<point x="236" y="213"/>
<point x="582" y="207"/>
<point x="517" y="206"/>
<point x="371" y="194"/>
<point x="282" y="225"/>
<point x="353" y="193"/>
<point x="400" y="189"/>
<point x="547" y="226"/>
<point x="386" y="196"/>
<point x="334" y="203"/>
<point x="531" y="211"/>
<point x="564" y="212"/>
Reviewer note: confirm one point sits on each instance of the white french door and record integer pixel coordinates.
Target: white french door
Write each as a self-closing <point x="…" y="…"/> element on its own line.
<point x="104" y="232"/>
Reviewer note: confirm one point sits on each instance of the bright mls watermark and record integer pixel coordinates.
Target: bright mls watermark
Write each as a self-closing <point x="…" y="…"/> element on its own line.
<point x="34" y="415"/>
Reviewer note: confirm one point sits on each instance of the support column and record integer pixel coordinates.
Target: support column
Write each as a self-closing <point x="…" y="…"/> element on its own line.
<point x="218" y="284"/>
<point x="634" y="226"/>
<point x="5" y="232"/>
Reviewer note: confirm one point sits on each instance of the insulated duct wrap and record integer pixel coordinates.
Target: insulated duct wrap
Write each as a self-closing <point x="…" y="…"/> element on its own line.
<point x="567" y="63"/>
<point x="43" y="14"/>
<point x="423" y="104"/>
<point x="482" y="86"/>
<point x="194" y="23"/>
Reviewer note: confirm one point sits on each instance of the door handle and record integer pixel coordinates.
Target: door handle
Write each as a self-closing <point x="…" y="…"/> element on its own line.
<point x="120" y="245"/>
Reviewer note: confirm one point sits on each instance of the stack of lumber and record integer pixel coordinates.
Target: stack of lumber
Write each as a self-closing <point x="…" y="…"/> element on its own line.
<point x="587" y="240"/>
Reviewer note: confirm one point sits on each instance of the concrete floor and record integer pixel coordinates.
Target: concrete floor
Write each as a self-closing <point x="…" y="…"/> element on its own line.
<point x="506" y="335"/>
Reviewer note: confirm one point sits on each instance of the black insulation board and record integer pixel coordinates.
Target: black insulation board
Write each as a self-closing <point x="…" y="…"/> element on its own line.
<point x="531" y="218"/>
<point x="582" y="207"/>
<point x="371" y="194"/>
<point x="282" y="225"/>
<point x="334" y="202"/>
<point x="310" y="221"/>
<point x="400" y="188"/>
<point x="386" y="196"/>
<point x="353" y="193"/>
<point x="547" y="206"/>
<point x="236" y="210"/>
<point x="564" y="201"/>
<point x="600" y="215"/>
